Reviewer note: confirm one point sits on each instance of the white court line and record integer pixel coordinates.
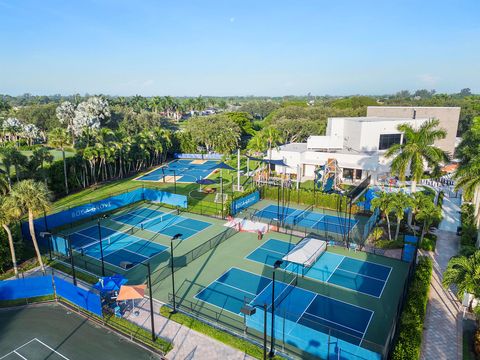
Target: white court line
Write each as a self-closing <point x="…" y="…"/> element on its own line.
<point x="363" y="275"/>
<point x="304" y="311"/>
<point x="335" y="268"/>
<point x="15" y="351"/>
<point x="56" y="352"/>
<point x="385" y="283"/>
<point x="343" y="326"/>
<point x="368" y="324"/>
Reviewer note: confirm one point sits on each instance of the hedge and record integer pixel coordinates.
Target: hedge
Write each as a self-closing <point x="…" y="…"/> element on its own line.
<point x="309" y="197"/>
<point x="410" y="328"/>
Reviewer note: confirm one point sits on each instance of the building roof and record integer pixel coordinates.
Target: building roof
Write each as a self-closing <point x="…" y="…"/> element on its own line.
<point x="294" y="147"/>
<point x="377" y="118"/>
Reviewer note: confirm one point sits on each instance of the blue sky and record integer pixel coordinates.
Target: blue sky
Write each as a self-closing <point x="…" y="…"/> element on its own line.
<point x="242" y="47"/>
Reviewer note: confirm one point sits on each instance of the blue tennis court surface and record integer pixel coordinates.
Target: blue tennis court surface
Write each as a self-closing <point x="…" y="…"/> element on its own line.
<point x="307" y="218"/>
<point x="353" y="274"/>
<point x="301" y="316"/>
<point x="116" y="246"/>
<point x="185" y="171"/>
<point x="166" y="223"/>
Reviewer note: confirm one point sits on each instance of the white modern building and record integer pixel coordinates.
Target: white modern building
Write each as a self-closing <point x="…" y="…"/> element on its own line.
<point x="357" y="144"/>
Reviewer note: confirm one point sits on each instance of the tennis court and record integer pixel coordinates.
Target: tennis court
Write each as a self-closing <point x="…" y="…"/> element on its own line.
<point x="303" y="316"/>
<point x="51" y="331"/>
<point x="307" y="218"/>
<point x="358" y="275"/>
<point x="162" y="222"/>
<point x="117" y="246"/>
<point x="184" y="171"/>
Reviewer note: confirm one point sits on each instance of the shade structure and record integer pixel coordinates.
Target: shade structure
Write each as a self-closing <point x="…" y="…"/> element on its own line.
<point x="205" y="182"/>
<point x="222" y="165"/>
<point x="110" y="283"/>
<point x="268" y="161"/>
<point x="131" y="292"/>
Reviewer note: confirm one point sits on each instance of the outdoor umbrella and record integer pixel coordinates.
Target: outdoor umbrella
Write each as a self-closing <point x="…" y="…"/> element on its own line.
<point x="131" y="292"/>
<point x="110" y="283"/>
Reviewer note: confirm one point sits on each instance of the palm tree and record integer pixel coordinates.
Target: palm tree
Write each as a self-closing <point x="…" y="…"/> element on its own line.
<point x="467" y="175"/>
<point x="6" y="156"/>
<point x="384" y="203"/>
<point x="59" y="139"/>
<point x="33" y="198"/>
<point x="8" y="214"/>
<point x="4" y="185"/>
<point x="400" y="202"/>
<point x="41" y="156"/>
<point x="464" y="273"/>
<point x="429" y="214"/>
<point x="416" y="150"/>
<point x="418" y="202"/>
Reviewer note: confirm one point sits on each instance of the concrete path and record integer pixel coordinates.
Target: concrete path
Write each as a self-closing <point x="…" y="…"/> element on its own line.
<point x="442" y="335"/>
<point x="451" y="214"/>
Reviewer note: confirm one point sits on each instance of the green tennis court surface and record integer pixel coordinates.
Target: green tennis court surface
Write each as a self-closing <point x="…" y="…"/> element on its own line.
<point x="51" y="331"/>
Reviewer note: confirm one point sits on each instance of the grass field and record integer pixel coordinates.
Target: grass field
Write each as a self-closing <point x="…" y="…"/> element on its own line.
<point x="57" y="155"/>
<point x="52" y="331"/>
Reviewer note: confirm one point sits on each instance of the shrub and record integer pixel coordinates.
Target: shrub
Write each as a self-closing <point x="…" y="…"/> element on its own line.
<point x="410" y="328"/>
<point x="476" y="342"/>
<point x="429" y="242"/>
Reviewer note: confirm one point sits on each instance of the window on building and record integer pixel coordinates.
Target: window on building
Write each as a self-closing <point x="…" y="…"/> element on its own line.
<point x="348" y="173"/>
<point x="358" y="174"/>
<point x="387" y="140"/>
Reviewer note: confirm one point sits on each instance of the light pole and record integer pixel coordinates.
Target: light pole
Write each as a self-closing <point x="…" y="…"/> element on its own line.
<point x="175" y="237"/>
<point x="251" y="310"/>
<point x="174" y="180"/>
<point x="163" y="172"/>
<point x="127" y="265"/>
<point x="271" y="354"/>
<point x="100" y="240"/>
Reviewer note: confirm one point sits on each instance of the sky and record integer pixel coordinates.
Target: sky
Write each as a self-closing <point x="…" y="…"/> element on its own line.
<point x="229" y="47"/>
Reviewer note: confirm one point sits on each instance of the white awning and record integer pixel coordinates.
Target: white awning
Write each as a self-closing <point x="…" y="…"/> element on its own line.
<point x="306" y="251"/>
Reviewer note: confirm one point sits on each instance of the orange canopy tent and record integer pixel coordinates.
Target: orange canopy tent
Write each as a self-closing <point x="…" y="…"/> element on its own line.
<point x="131" y="292"/>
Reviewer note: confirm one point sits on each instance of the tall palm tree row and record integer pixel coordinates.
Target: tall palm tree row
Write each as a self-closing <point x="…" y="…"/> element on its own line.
<point x="104" y="154"/>
<point x="417" y="150"/>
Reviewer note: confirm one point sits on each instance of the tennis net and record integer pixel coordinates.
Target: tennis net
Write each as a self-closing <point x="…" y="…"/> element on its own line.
<point x="302" y="215"/>
<point x="285" y="292"/>
<point x="159" y="219"/>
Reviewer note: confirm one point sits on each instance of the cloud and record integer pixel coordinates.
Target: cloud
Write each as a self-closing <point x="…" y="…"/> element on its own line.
<point x="429" y="79"/>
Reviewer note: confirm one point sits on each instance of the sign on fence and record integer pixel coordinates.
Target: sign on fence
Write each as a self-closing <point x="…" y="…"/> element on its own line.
<point x="98" y="207"/>
<point x="244" y="202"/>
<point x="212" y="156"/>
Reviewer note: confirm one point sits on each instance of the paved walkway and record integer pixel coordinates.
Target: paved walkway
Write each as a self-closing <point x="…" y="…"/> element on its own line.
<point x="442" y="335"/>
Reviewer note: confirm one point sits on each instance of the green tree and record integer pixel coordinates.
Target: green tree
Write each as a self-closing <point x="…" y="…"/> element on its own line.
<point x="59" y="139"/>
<point x="416" y="150"/>
<point x="384" y="203"/>
<point x="32" y="198"/>
<point x="9" y="213"/>
<point x="428" y="214"/>
<point x="399" y="203"/>
<point x="40" y="157"/>
<point x="464" y="273"/>
<point x="467" y="175"/>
